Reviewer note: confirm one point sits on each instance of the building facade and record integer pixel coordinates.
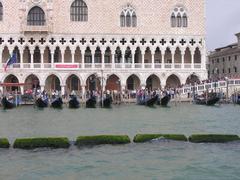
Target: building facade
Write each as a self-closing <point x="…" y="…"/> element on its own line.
<point x="225" y="61"/>
<point x="85" y="44"/>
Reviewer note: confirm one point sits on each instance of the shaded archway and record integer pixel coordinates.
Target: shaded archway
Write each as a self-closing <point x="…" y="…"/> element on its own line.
<point x="37" y="55"/>
<point x="113" y="83"/>
<point x="78" y="55"/>
<point x="128" y="55"/>
<point x="168" y="56"/>
<point x="192" y="79"/>
<point x="153" y="82"/>
<point x="133" y="82"/>
<point x="108" y="57"/>
<point x="52" y="83"/>
<point x="11" y="79"/>
<point x="148" y="56"/>
<point x="158" y="56"/>
<point x="88" y="55"/>
<point x="187" y="56"/>
<point x="98" y="55"/>
<point x="118" y="55"/>
<point x="57" y="55"/>
<point x="138" y="56"/>
<point x="47" y="55"/>
<point x="5" y="54"/>
<point x="197" y="56"/>
<point x="178" y="56"/>
<point x="73" y="84"/>
<point x="31" y="82"/>
<point x="173" y="81"/>
<point x="26" y="55"/>
<point x="67" y="55"/>
<point x="93" y="83"/>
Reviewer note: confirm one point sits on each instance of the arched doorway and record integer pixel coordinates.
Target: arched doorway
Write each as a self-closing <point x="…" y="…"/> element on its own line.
<point x="133" y="82"/>
<point x="52" y="83"/>
<point x="113" y="83"/>
<point x="173" y="82"/>
<point x="31" y="82"/>
<point x="73" y="84"/>
<point x="11" y="79"/>
<point x="153" y="82"/>
<point x="93" y="83"/>
<point x="192" y="79"/>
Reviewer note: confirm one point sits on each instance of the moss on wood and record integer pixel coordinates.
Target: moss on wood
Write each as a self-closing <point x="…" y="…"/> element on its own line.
<point x="102" y="139"/>
<point x="49" y="142"/>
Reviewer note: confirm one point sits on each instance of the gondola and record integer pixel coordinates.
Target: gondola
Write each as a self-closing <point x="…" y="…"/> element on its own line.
<point x="209" y="102"/>
<point x="107" y="102"/>
<point x="41" y="103"/>
<point x="57" y="103"/>
<point x="147" y="102"/>
<point x="164" y="101"/>
<point x="151" y="101"/>
<point x="7" y="104"/>
<point x="73" y="102"/>
<point x="91" y="102"/>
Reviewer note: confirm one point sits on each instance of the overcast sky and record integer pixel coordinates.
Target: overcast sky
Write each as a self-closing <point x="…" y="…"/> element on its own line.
<point x="223" y="22"/>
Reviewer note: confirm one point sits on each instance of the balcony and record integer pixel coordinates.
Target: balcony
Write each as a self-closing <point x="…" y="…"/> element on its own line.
<point x="36" y="29"/>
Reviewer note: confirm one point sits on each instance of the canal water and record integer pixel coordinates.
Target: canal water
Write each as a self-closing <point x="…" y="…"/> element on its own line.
<point x="157" y="160"/>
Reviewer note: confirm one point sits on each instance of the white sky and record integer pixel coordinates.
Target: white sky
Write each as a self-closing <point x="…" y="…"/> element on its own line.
<point x="223" y="22"/>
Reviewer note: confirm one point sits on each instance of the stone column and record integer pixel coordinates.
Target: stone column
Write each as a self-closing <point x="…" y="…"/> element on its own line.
<point x="42" y="87"/>
<point x="123" y="60"/>
<point x="42" y="59"/>
<point x="192" y="60"/>
<point x="133" y="61"/>
<point x="153" y="61"/>
<point x="63" y="89"/>
<point x="22" y="89"/>
<point x="62" y="54"/>
<point x="182" y="60"/>
<point x="73" y="56"/>
<point x="103" y="61"/>
<point x="83" y="92"/>
<point x="143" y="64"/>
<point x="163" y="61"/>
<point x="21" y="58"/>
<point x="173" y="59"/>
<point x="93" y="60"/>
<point x="83" y="64"/>
<point x="113" y="61"/>
<point x="31" y="54"/>
<point x="52" y="59"/>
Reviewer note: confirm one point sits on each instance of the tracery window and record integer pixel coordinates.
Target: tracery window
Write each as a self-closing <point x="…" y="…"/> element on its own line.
<point x="179" y="17"/>
<point x="79" y="11"/>
<point x="1" y="11"/>
<point x="36" y="17"/>
<point x="128" y="17"/>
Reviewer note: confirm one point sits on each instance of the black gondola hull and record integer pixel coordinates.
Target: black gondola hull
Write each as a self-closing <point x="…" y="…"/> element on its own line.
<point x="151" y="101"/>
<point x="74" y="103"/>
<point x="107" y="103"/>
<point x="6" y="104"/>
<point x="91" y="103"/>
<point x="41" y="103"/>
<point x="57" y="103"/>
<point x="209" y="102"/>
<point x="164" y="101"/>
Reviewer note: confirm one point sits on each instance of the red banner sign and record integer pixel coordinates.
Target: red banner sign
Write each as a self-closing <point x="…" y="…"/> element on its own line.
<point x="66" y="66"/>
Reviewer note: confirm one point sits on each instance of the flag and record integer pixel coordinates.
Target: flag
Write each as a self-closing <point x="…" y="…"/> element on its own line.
<point x="11" y="60"/>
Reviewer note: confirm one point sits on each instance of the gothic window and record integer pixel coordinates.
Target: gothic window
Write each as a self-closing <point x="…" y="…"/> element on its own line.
<point x="134" y="19"/>
<point x="1" y="12"/>
<point x="128" y="20"/>
<point x="128" y="17"/>
<point x="179" y="20"/>
<point x="179" y="17"/>
<point x="79" y="11"/>
<point x="36" y="17"/>
<point x="184" y="20"/>
<point x="122" y="19"/>
<point x="173" y="20"/>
